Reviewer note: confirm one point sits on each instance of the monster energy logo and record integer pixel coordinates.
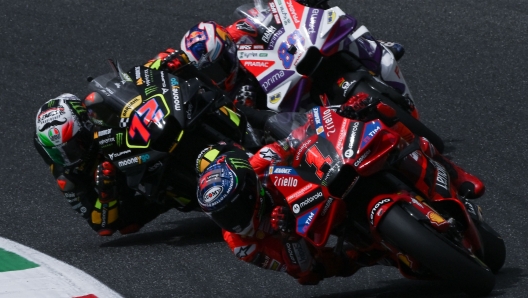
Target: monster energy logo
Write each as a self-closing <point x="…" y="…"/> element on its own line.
<point x="119" y="139"/>
<point x="240" y="163"/>
<point x="150" y="89"/>
<point x="77" y="106"/>
<point x="51" y="103"/>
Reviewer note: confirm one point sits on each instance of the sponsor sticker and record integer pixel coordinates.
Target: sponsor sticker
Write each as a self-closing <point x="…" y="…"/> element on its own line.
<point x="309" y="201"/>
<point x="351" y="148"/>
<point x="212" y="193"/>
<point x="131" y="106"/>
<point x="376" y="207"/>
<point x="435" y="218"/>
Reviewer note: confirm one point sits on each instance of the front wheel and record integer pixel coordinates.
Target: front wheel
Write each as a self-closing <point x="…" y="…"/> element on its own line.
<point x="493" y="248"/>
<point x="435" y="252"/>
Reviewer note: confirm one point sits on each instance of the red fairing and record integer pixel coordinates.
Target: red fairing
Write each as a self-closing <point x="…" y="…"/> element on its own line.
<point x="332" y="214"/>
<point x="235" y="32"/>
<point x="379" y="206"/>
<point x="375" y="157"/>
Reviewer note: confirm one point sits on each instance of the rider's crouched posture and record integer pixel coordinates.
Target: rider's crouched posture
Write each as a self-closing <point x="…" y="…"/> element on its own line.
<point x="254" y="225"/>
<point x="223" y="68"/>
<point x="65" y="140"/>
<point x="235" y="192"/>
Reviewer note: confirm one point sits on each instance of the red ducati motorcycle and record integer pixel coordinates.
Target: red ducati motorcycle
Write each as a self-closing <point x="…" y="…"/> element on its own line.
<point x="360" y="181"/>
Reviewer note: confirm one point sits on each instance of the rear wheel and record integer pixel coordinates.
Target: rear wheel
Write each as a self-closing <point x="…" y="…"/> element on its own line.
<point x="435" y="252"/>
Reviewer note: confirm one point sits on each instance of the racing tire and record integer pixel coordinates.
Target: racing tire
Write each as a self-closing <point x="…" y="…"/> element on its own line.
<point x="435" y="252"/>
<point x="493" y="247"/>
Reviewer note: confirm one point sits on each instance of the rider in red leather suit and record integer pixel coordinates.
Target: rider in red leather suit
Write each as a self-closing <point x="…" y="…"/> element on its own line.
<point x="258" y="229"/>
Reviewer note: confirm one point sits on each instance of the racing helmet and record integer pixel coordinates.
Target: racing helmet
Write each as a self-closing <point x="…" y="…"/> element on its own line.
<point x="228" y="190"/>
<point x="63" y="130"/>
<point x="210" y="47"/>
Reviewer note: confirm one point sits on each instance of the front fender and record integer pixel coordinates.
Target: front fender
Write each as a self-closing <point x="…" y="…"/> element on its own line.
<point x="414" y="204"/>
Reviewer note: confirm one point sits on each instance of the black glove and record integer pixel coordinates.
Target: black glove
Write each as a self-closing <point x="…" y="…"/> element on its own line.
<point x="105" y="216"/>
<point x="105" y="181"/>
<point x="410" y="103"/>
<point x="246" y="96"/>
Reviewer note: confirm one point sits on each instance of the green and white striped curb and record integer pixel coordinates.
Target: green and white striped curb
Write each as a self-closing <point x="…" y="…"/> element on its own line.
<point x="27" y="273"/>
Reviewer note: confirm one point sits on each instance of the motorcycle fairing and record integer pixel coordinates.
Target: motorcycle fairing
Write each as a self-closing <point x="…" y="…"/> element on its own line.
<point x="308" y="27"/>
<point x="295" y="189"/>
<point x="370" y="130"/>
<point x="308" y="201"/>
<point x="328" y="214"/>
<point x="379" y="205"/>
<point x="429" y="177"/>
<point x="424" y="212"/>
<point x="340" y="30"/>
<point x="152" y="112"/>
<point x="143" y="100"/>
<point x="317" y="163"/>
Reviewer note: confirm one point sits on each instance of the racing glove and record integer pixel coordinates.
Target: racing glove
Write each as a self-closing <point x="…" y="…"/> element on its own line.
<point x="105" y="181"/>
<point x="245" y="96"/>
<point x="171" y="60"/>
<point x="282" y="219"/>
<point x="105" y="213"/>
<point x="355" y="105"/>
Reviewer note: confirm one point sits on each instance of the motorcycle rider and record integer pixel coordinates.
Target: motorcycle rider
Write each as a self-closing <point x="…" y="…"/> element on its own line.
<point x="235" y="192"/>
<point x="250" y="217"/>
<point x="64" y="139"/>
<point x="224" y="68"/>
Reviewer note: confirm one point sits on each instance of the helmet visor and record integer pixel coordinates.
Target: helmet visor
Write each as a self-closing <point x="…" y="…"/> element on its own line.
<point x="223" y="67"/>
<point x="237" y="214"/>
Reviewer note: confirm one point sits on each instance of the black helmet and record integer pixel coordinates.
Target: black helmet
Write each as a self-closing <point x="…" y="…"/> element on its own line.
<point x="63" y="130"/>
<point x="228" y="190"/>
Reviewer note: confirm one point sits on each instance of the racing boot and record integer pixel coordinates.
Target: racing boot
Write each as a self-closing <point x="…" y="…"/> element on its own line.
<point x="467" y="185"/>
<point x="396" y="49"/>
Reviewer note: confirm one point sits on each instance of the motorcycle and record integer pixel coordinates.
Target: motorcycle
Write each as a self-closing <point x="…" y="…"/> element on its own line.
<point x="152" y="125"/>
<point x="361" y="182"/>
<point x="296" y="53"/>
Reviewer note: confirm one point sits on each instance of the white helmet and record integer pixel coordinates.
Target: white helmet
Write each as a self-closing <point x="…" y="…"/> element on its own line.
<point x="210" y="47"/>
<point x="63" y="129"/>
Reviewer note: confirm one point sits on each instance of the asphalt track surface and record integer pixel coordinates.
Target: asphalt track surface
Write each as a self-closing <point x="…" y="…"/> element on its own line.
<point x="465" y="63"/>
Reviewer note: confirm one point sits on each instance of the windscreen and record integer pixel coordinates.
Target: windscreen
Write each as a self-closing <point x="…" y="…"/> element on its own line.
<point x="116" y="86"/>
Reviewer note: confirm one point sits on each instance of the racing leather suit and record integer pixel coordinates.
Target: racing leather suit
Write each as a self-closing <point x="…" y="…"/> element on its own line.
<point x="270" y="249"/>
<point x="77" y="184"/>
<point x="375" y="55"/>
